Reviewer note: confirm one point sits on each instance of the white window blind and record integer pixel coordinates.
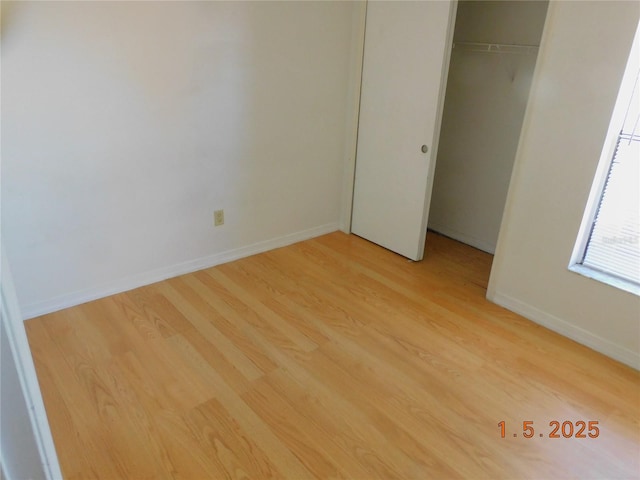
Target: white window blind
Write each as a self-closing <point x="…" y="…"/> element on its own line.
<point x="613" y="246"/>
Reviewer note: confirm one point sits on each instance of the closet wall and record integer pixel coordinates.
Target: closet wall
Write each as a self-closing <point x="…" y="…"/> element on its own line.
<point x="492" y="62"/>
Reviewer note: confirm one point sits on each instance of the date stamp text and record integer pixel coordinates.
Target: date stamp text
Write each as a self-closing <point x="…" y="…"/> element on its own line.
<point x="556" y="429"/>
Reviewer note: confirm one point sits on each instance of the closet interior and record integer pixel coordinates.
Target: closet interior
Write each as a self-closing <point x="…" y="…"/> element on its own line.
<point x="492" y="61"/>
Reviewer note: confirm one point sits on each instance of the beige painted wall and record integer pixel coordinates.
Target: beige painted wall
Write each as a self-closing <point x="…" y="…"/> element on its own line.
<point x="582" y="59"/>
<point x="500" y="21"/>
<point x="126" y="124"/>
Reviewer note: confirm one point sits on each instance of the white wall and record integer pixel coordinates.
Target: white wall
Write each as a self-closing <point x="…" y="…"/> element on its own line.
<point x="484" y="107"/>
<point x="26" y="446"/>
<point x="125" y="124"/>
<point x="582" y="58"/>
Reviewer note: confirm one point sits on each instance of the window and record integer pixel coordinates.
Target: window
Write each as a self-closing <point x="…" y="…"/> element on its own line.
<point x="608" y="247"/>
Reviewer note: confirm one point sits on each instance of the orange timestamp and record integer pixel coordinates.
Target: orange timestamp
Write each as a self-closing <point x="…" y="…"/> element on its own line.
<point x="565" y="429"/>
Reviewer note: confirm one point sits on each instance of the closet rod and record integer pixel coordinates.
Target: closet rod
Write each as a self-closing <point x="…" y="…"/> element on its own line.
<point x="496" y="47"/>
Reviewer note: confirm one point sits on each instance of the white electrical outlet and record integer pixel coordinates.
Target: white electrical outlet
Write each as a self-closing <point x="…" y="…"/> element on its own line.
<point x="218" y="218"/>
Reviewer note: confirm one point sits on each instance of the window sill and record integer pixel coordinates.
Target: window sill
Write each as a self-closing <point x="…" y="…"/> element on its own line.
<point x="606" y="278"/>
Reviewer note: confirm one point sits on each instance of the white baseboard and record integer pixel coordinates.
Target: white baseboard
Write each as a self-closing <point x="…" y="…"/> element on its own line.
<point x="153" y="276"/>
<point x="580" y="335"/>
<point x="461" y="237"/>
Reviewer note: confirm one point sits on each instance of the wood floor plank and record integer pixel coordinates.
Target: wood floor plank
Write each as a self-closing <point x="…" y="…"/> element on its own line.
<point x="346" y="344"/>
<point x="168" y="433"/>
<point x="330" y="358"/>
<point x="159" y="311"/>
<point x="417" y="307"/>
<point x="244" y="318"/>
<point x="147" y="324"/>
<point x="205" y="326"/>
<point x="230" y="329"/>
<point x="86" y="452"/>
<point x="264" y="437"/>
<point x="267" y="404"/>
<point x="238" y="454"/>
<point x="227" y="370"/>
<point x="421" y="441"/>
<point x="312" y="432"/>
<point x="220" y="284"/>
<point x="59" y="415"/>
<point x="353" y="432"/>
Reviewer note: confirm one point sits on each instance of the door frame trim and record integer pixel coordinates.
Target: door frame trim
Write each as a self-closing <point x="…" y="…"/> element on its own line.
<point x="359" y="16"/>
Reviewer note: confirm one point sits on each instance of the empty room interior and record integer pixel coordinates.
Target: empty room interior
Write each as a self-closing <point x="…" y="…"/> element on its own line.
<point x="320" y="239"/>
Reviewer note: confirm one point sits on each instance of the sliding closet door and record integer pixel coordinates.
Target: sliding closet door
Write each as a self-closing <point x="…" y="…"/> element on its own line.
<point x="406" y="54"/>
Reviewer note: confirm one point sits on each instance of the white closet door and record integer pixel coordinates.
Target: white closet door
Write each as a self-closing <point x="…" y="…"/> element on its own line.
<point x="406" y="55"/>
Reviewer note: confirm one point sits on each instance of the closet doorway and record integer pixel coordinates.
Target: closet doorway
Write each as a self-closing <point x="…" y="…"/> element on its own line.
<point x="494" y="52"/>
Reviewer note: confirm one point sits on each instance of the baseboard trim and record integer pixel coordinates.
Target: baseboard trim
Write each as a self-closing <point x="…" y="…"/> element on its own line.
<point x="566" y="329"/>
<point x="153" y="276"/>
<point x="466" y="239"/>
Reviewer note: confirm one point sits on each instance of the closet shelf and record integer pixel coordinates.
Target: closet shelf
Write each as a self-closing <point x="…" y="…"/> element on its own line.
<point x="496" y="48"/>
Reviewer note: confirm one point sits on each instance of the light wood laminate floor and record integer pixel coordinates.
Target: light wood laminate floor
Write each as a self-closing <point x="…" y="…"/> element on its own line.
<point x="331" y="358"/>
